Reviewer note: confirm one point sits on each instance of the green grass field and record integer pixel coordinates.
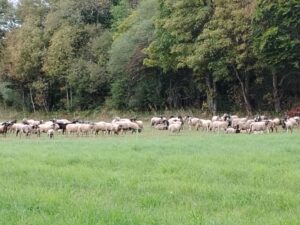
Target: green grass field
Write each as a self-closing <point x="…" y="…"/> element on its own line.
<point x="152" y="178"/>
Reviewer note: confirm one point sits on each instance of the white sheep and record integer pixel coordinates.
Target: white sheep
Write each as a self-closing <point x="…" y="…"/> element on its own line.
<point x="259" y="126"/>
<point x="175" y="127"/>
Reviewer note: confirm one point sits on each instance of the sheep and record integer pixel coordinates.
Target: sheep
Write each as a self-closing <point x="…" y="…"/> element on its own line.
<point x="215" y="118"/>
<point x="175" y="120"/>
<point x="220" y="125"/>
<point x="260" y="118"/>
<point x="245" y="126"/>
<point x="125" y="126"/>
<point x="63" y="121"/>
<point x="140" y="124"/>
<point x="205" y="124"/>
<point x="4" y="128"/>
<point x="289" y="124"/>
<point x="175" y="127"/>
<point x="161" y="126"/>
<point x="118" y="119"/>
<point x="27" y="130"/>
<point x="44" y="128"/>
<point x="157" y="120"/>
<point x="32" y="122"/>
<point x="72" y="128"/>
<point x="134" y="127"/>
<point x="85" y="128"/>
<point x="192" y="122"/>
<point x="259" y="126"/>
<point x="275" y="123"/>
<point x="50" y="133"/>
<point x="114" y="128"/>
<point x="234" y="117"/>
<point x="238" y="121"/>
<point x="101" y="126"/>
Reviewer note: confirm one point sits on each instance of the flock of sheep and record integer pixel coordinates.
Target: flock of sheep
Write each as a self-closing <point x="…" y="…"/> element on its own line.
<point x="226" y="123"/>
<point x="67" y="127"/>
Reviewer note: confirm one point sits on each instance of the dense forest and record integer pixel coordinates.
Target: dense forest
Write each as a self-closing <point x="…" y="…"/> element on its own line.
<point x="149" y="55"/>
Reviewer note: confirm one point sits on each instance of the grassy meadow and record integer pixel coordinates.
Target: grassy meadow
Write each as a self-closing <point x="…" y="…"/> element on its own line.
<point x="151" y="178"/>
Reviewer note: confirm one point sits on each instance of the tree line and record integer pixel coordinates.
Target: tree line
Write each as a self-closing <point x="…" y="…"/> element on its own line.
<point x="214" y="55"/>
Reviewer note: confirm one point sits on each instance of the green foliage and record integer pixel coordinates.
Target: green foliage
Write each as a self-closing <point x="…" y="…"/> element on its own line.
<point x="7" y="18"/>
<point x="277" y="30"/>
<point x="152" y="54"/>
<point x="132" y="34"/>
<point x="8" y="96"/>
<point x="176" y="31"/>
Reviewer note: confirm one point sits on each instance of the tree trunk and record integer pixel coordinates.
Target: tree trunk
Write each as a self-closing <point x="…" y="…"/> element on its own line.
<point x="31" y="99"/>
<point x="67" y="96"/>
<point x="276" y="93"/>
<point x="211" y="94"/>
<point x="23" y="102"/>
<point x="245" y="90"/>
<point x="71" y="97"/>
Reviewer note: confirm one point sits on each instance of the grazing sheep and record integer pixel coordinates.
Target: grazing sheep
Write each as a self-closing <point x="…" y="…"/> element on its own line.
<point x="140" y="124"/>
<point x="101" y="126"/>
<point x="238" y="121"/>
<point x="157" y="120"/>
<point x="32" y="122"/>
<point x="85" y="128"/>
<point x="192" y="122"/>
<point x="174" y="120"/>
<point x="4" y="128"/>
<point x="161" y="126"/>
<point x="125" y="126"/>
<point x="220" y="125"/>
<point x="231" y="130"/>
<point x="44" y="128"/>
<point x="27" y="130"/>
<point x="205" y="124"/>
<point x="289" y="124"/>
<point x="134" y="127"/>
<point x="275" y="123"/>
<point x="175" y="127"/>
<point x="62" y="121"/>
<point x="72" y="128"/>
<point x="259" y="126"/>
<point x="115" y="128"/>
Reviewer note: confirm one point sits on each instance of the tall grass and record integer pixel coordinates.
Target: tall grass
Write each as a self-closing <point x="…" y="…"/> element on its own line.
<point x="152" y="178"/>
